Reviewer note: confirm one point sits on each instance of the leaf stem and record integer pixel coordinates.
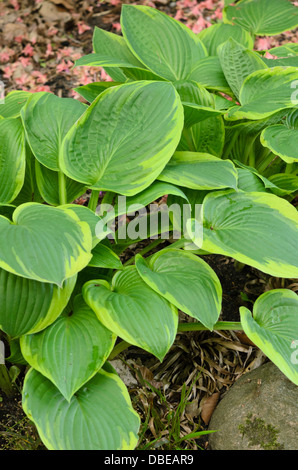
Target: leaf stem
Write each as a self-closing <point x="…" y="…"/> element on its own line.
<point x="93" y="201"/>
<point x="230" y="145"/>
<point x="289" y="168"/>
<point x="62" y="188"/>
<point x="263" y="161"/>
<point x="118" y="349"/>
<point x="186" y="133"/>
<point x="107" y="199"/>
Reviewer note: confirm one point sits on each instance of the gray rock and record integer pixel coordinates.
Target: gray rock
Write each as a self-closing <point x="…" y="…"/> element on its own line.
<point x="259" y="412"/>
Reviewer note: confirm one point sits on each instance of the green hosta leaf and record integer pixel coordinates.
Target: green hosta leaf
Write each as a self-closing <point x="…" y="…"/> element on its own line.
<point x="88" y="216"/>
<point x="281" y="141"/>
<point x="110" y="63"/>
<point x="222" y="103"/>
<point x="154" y="222"/>
<point x="184" y="280"/>
<point x="265" y="92"/>
<point x="292" y="118"/>
<point x="208" y="73"/>
<point x="15" y="356"/>
<point x="92" y="90"/>
<point x="137" y="73"/>
<point x="12" y="159"/>
<point x="47" y="119"/>
<point x="192" y="92"/>
<point x="48" y="185"/>
<point x="217" y="34"/>
<point x="29" y="191"/>
<point x="199" y="171"/>
<point x="133" y="311"/>
<point x="98" y="417"/>
<point x="13" y="104"/>
<point x="274" y="328"/>
<point x="249" y="181"/>
<point x="198" y="103"/>
<point x="283" y="62"/>
<point x="71" y="350"/>
<point x="151" y="194"/>
<point x="286" y="50"/>
<point x="28" y="306"/>
<point x="112" y="45"/>
<point x="258" y="229"/>
<point x="104" y="257"/>
<point x="237" y="63"/>
<point x="44" y="243"/>
<point x="261" y="17"/>
<point x="165" y="46"/>
<point x="131" y="130"/>
<point x="266" y="182"/>
<point x="207" y="136"/>
<point x="194" y="113"/>
<point x="286" y="183"/>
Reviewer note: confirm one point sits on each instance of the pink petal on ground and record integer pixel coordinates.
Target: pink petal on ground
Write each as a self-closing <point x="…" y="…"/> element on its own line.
<point x="117" y="26"/>
<point x="49" y="50"/>
<point x="25" y="61"/>
<point x="42" y="88"/>
<point x="105" y="77"/>
<point x="15" y="4"/>
<point x="263" y="44"/>
<point x="28" y="50"/>
<point x="270" y="56"/>
<point x="208" y="4"/>
<point x="199" y="25"/>
<point x="82" y="27"/>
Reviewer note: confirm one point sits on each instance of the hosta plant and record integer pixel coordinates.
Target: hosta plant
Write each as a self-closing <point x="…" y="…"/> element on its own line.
<point x="203" y="119"/>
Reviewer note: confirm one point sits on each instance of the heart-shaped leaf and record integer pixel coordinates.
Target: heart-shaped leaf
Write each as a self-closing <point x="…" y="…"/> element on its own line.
<point x="98" y="417"/>
<point x="28" y="306"/>
<point x="89" y="217"/>
<point x="274" y="328"/>
<point x="133" y="311"/>
<point x="162" y="44"/>
<point x="261" y="17"/>
<point x="258" y="229"/>
<point x="71" y="350"/>
<point x="46" y="119"/>
<point x="132" y="131"/>
<point x="12" y="159"/>
<point x="46" y="244"/>
<point x="186" y="281"/>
